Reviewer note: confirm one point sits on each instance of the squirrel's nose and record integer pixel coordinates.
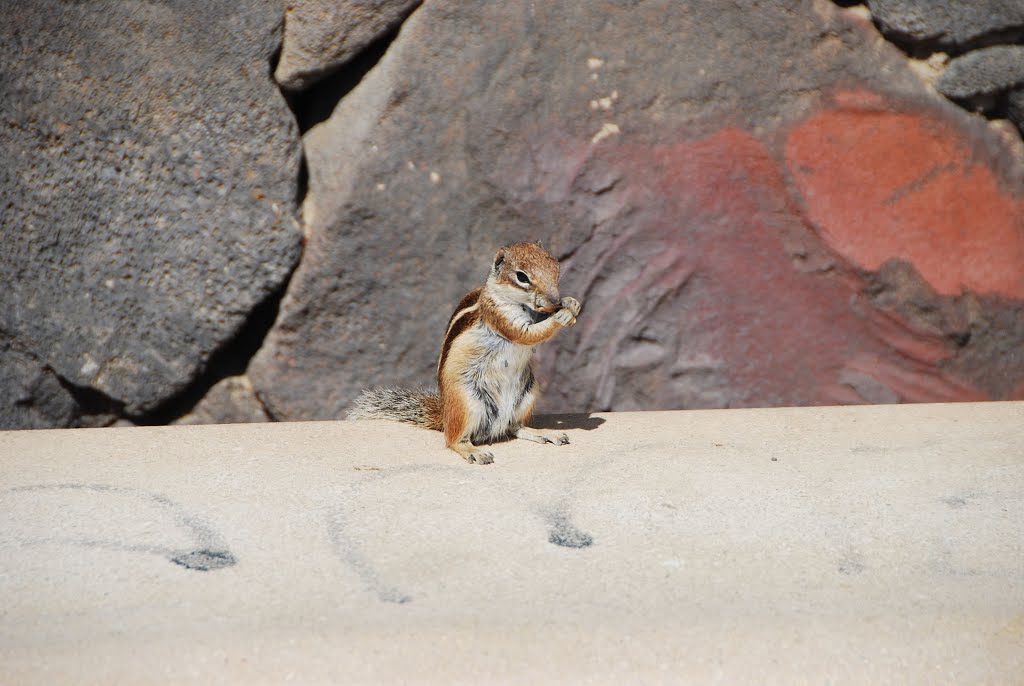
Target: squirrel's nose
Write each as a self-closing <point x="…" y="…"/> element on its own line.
<point x="549" y="302"/>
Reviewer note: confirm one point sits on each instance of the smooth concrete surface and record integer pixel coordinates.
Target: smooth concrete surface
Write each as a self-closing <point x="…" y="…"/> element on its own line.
<point x="856" y="545"/>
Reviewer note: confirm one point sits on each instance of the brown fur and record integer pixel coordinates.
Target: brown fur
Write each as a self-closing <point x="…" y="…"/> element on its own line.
<point x="433" y="413"/>
<point x="537" y="333"/>
<point x="486" y="386"/>
<point x="462" y="318"/>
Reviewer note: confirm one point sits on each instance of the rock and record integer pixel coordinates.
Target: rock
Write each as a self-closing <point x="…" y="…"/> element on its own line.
<point x="33" y="397"/>
<point x="320" y="36"/>
<point x="871" y="205"/>
<point x="930" y="68"/>
<point x="687" y="182"/>
<point x="984" y="72"/>
<point x="948" y="23"/>
<point x="229" y="401"/>
<point x="1015" y="108"/>
<point x="148" y="191"/>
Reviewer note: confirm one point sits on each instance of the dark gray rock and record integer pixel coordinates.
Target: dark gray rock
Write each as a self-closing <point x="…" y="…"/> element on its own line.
<point x="948" y="24"/>
<point x="320" y="36"/>
<point x="988" y="71"/>
<point x="1015" y="108"/>
<point x="650" y="166"/>
<point x="33" y="397"/>
<point x="148" y="186"/>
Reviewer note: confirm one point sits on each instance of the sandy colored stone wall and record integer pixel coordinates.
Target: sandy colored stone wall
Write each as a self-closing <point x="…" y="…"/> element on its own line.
<point x="822" y="545"/>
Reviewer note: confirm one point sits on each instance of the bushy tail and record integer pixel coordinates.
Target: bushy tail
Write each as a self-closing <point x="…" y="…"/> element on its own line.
<point x="400" y="404"/>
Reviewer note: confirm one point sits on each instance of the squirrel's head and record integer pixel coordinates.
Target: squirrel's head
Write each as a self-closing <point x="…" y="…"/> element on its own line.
<point x="525" y="273"/>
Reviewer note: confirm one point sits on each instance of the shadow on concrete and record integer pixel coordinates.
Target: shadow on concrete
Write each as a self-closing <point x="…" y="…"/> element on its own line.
<point x="585" y="421"/>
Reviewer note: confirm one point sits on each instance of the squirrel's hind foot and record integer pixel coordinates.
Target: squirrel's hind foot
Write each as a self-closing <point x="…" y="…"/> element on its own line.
<point x="480" y="457"/>
<point x="473" y="454"/>
<point x="538" y="436"/>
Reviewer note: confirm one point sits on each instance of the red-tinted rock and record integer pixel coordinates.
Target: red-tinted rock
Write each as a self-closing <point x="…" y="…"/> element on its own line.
<point x="729" y="300"/>
<point x="881" y="185"/>
<point x="737" y="235"/>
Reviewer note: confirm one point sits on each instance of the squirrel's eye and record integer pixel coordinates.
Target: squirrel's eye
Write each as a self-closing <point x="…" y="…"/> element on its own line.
<point x="522" y="278"/>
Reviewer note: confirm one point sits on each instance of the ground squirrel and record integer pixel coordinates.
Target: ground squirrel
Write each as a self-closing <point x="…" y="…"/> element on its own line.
<point x="484" y="375"/>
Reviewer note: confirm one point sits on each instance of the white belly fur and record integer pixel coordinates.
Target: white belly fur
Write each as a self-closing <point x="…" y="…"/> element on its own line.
<point x="498" y="378"/>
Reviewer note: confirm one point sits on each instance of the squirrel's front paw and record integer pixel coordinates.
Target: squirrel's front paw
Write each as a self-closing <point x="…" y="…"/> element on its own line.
<point x="573" y="305"/>
<point x="567" y="315"/>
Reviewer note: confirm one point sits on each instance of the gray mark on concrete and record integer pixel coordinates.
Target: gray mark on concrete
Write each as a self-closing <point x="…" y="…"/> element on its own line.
<point x="851" y="564"/>
<point x="205" y="560"/>
<point x="210" y="552"/>
<point x="348" y="549"/>
<point x="563" y="532"/>
<point x="946" y="562"/>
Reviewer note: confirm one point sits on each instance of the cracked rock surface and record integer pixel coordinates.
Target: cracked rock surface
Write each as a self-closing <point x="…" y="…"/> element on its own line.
<point x="147" y="191"/>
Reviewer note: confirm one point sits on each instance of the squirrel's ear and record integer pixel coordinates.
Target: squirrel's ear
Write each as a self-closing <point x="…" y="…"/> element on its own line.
<point x="499" y="259"/>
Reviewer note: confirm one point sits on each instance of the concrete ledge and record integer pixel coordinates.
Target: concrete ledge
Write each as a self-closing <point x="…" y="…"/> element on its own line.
<point x="819" y="545"/>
